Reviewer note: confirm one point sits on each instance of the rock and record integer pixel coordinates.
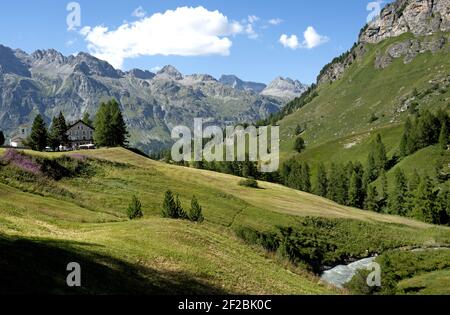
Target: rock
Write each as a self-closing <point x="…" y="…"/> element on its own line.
<point x="409" y="49"/>
<point x="285" y="88"/>
<point x="420" y="17"/>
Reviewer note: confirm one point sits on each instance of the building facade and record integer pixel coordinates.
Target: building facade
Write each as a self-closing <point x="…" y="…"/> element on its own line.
<point x="80" y="133"/>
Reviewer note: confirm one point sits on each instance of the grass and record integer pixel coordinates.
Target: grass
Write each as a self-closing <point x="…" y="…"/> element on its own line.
<point x="431" y="283"/>
<point x="92" y="223"/>
<point x="408" y="272"/>
<point x="338" y="121"/>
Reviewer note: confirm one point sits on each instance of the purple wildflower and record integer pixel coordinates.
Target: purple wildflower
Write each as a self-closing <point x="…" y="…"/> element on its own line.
<point x="21" y="161"/>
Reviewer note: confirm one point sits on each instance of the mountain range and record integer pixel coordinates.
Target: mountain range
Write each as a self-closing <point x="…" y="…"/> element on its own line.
<point x="47" y="82"/>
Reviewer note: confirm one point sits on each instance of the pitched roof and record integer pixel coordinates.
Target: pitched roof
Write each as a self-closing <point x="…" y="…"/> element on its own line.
<point x="80" y="121"/>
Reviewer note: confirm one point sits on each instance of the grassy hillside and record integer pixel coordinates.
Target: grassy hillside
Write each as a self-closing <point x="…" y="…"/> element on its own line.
<point x="338" y="120"/>
<point x="82" y="218"/>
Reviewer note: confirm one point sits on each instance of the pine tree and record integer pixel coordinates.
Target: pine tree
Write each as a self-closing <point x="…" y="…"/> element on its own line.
<point x="102" y="133"/>
<point x="306" y="178"/>
<point x="428" y="128"/>
<point x="2" y="138"/>
<point x="87" y="119"/>
<point x="380" y="156"/>
<point x="195" y="213"/>
<point x="169" y="209"/>
<point x="322" y="181"/>
<point x="299" y="144"/>
<point x="384" y="185"/>
<point x="118" y="128"/>
<point x="110" y="127"/>
<point x="407" y="143"/>
<point x="371" y="169"/>
<point x="371" y="202"/>
<point x="355" y="193"/>
<point x="134" y="210"/>
<point x="425" y="202"/>
<point x="399" y="195"/>
<point x="334" y="179"/>
<point x="179" y="211"/>
<point x="444" y="136"/>
<point x="58" y="132"/>
<point x="38" y="137"/>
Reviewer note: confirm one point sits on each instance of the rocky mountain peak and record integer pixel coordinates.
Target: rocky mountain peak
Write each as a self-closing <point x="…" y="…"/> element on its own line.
<point x="141" y="74"/>
<point x="91" y="65"/>
<point x="285" y="88"/>
<point x="48" y="56"/>
<point x="10" y="63"/>
<point x="170" y="72"/>
<point x="420" y="17"/>
<point x="236" y="83"/>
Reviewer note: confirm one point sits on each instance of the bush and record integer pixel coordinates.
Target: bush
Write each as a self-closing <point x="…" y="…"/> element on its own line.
<point x="172" y="207"/>
<point x="195" y="214"/>
<point x="249" y="182"/>
<point x="134" y="210"/>
<point x="299" y="144"/>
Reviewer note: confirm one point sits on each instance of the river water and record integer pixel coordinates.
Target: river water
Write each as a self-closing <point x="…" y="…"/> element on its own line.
<point x="340" y="275"/>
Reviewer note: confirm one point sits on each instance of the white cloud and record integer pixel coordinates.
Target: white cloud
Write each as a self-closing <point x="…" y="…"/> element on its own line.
<point x="311" y="40"/>
<point x="275" y="21"/>
<point x="252" y="19"/>
<point x="290" y="41"/>
<point x="250" y="26"/>
<point x="185" y="31"/>
<point x="139" y="12"/>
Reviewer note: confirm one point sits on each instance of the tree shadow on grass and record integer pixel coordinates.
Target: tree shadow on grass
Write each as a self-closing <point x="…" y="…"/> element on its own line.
<point x="38" y="266"/>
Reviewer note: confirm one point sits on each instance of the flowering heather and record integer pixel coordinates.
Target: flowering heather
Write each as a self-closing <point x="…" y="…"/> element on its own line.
<point x="21" y="161"/>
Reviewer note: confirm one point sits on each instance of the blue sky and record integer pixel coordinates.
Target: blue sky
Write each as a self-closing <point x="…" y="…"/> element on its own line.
<point x="234" y="44"/>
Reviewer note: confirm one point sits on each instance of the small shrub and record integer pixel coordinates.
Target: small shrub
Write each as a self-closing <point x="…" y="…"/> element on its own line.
<point x="195" y="214"/>
<point x="134" y="210"/>
<point x="249" y="182"/>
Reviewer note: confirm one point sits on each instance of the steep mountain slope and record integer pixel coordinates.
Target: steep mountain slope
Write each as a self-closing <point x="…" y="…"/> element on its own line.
<point x="400" y="65"/>
<point x="47" y="82"/>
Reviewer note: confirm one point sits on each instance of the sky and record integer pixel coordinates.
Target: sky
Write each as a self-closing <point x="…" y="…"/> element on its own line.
<point x="257" y="40"/>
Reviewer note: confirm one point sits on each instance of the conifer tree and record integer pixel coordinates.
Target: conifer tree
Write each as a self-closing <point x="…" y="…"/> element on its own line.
<point x="425" y="202"/>
<point x="399" y="195"/>
<point x="355" y="193"/>
<point x="2" y="138"/>
<point x="371" y="201"/>
<point x="179" y="211"/>
<point x="134" y="210"/>
<point x="333" y="182"/>
<point x="322" y="181"/>
<point x="384" y="185"/>
<point x="169" y="209"/>
<point x="87" y="119"/>
<point x="371" y="169"/>
<point x="195" y="213"/>
<point x="110" y="127"/>
<point x="58" y="132"/>
<point x="407" y="143"/>
<point x="444" y="136"/>
<point x="299" y="144"/>
<point x="102" y="133"/>
<point x="306" y="178"/>
<point x="38" y="138"/>
<point x="380" y="156"/>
